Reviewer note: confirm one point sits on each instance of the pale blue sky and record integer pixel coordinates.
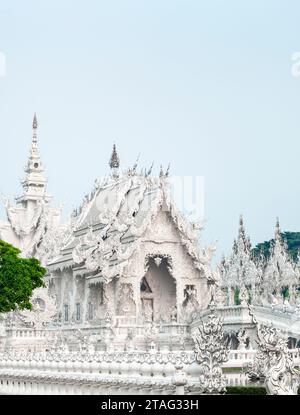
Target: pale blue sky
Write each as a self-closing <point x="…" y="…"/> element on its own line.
<point x="206" y="85"/>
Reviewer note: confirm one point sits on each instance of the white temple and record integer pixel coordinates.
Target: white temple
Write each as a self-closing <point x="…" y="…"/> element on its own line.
<point x="132" y="257"/>
<point x="132" y="303"/>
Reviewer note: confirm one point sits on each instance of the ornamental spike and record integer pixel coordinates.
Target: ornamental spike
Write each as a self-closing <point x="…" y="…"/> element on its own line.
<point x="136" y="163"/>
<point x="114" y="161"/>
<point x="34" y="130"/>
<point x="161" y="173"/>
<point x="34" y="123"/>
<point x="277" y="228"/>
<point x="150" y="169"/>
<point x="168" y="170"/>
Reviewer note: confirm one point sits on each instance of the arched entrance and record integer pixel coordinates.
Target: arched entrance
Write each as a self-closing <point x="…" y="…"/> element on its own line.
<point x="158" y="291"/>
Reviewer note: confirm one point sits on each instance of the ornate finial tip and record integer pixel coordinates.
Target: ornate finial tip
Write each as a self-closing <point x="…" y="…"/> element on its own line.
<point x="277" y="228"/>
<point x="241" y="220"/>
<point x="34" y="123"/>
<point x="114" y="161"/>
<point x="161" y="172"/>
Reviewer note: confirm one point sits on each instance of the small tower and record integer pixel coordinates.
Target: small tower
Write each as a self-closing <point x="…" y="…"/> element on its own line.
<point x="34" y="183"/>
<point x="114" y="162"/>
<point x="31" y="217"/>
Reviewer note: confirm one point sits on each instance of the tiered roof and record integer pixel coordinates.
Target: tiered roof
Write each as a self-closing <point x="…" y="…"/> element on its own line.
<point x="112" y="223"/>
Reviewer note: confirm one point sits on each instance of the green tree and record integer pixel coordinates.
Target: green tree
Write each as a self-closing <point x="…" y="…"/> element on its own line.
<point x="18" y="278"/>
<point x="293" y="243"/>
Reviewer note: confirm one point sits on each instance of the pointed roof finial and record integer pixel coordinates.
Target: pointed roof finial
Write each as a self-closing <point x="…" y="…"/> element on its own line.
<point x="34" y="144"/>
<point x="114" y="161"/>
<point x="241" y="221"/>
<point x="241" y="228"/>
<point x="150" y="169"/>
<point x="168" y="170"/>
<point x="136" y="163"/>
<point x="34" y="123"/>
<point x="277" y="228"/>
<point x="161" y="173"/>
<point x="243" y="241"/>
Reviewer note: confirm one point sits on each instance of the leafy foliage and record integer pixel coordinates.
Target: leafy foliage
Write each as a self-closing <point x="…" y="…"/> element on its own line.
<point x="18" y="278"/>
<point x="236" y="298"/>
<point x="285" y="292"/>
<point x="245" y="390"/>
<point x="293" y="243"/>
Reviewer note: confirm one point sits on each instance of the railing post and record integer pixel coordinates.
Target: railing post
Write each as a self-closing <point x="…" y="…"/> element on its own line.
<point x="179" y="379"/>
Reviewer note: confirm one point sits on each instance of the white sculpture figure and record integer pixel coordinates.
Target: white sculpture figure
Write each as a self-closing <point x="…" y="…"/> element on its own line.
<point x="211" y="353"/>
<point x="190" y="304"/>
<point x="179" y="379"/>
<point x="244" y="297"/>
<point x="43" y="311"/>
<point x="129" y="345"/>
<point x="126" y="304"/>
<point x="151" y="331"/>
<point x="274" y="361"/>
<point x="148" y="310"/>
<point x="242" y="339"/>
<point x="173" y="314"/>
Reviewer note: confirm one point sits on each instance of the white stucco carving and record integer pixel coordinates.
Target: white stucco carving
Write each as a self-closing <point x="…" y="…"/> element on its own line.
<point x="274" y="361"/>
<point x="211" y="352"/>
<point x="44" y="309"/>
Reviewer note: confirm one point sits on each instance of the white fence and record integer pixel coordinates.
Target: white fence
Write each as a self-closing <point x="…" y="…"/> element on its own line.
<point x="110" y="373"/>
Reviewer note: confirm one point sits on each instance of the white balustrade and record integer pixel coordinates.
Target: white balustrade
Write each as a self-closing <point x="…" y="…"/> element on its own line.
<point x="38" y="373"/>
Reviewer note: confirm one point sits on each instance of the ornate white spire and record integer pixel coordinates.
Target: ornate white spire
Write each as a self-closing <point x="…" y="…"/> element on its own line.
<point x="239" y="270"/>
<point x="114" y="162"/>
<point x="241" y="227"/>
<point x="277" y="231"/>
<point x="243" y="242"/>
<point x="280" y="270"/>
<point x="34" y="123"/>
<point x="33" y="224"/>
<point x="34" y="151"/>
<point x="34" y="184"/>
